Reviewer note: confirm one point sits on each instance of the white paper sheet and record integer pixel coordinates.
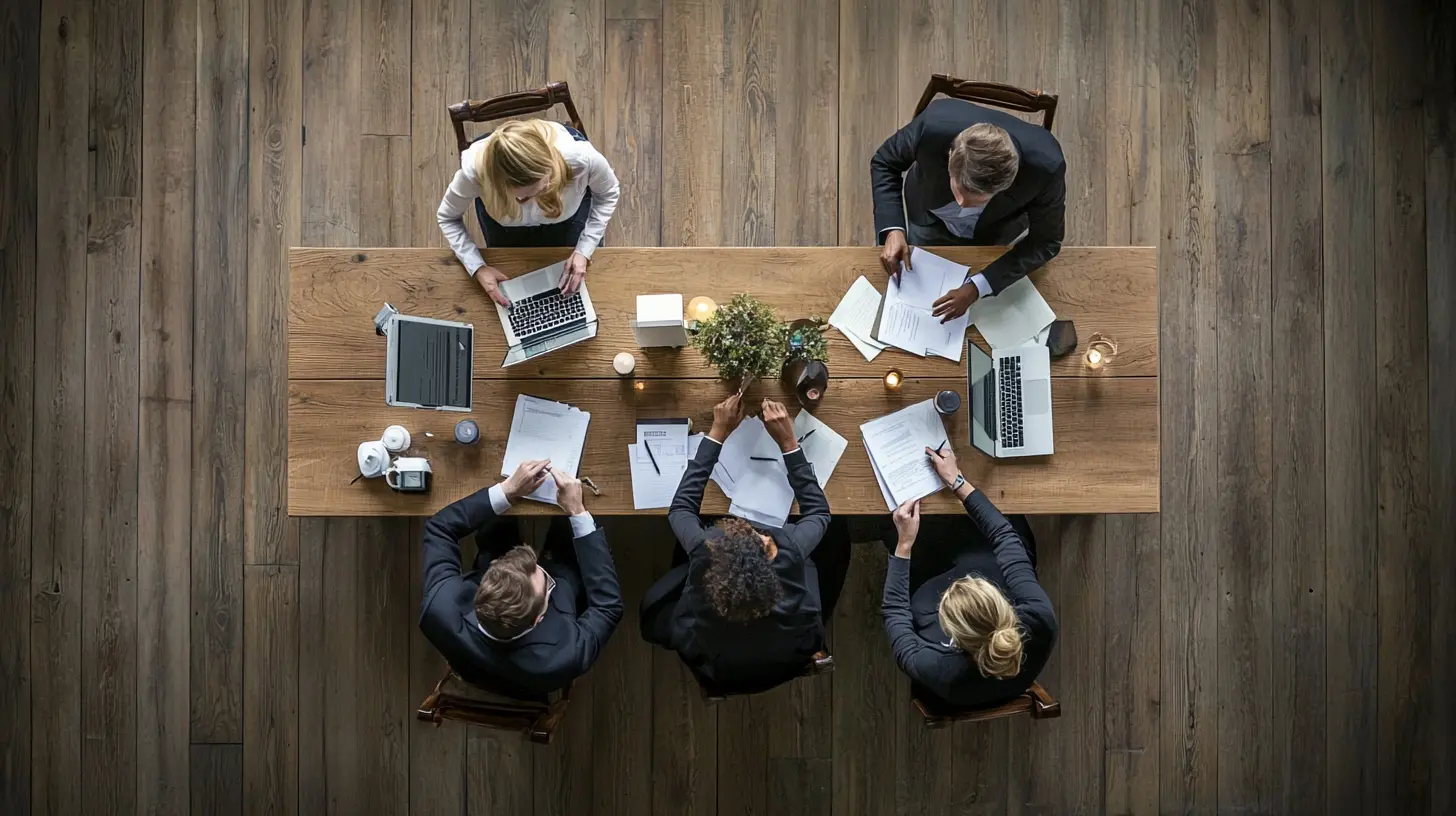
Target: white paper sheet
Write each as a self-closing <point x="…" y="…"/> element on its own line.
<point x="823" y="447"/>
<point x="880" y="480"/>
<point x="1014" y="317"/>
<point x="906" y="321"/>
<point x="668" y="438"/>
<point x="856" y="314"/>
<point x="896" y="445"/>
<point x="543" y="429"/>
<point x="763" y="493"/>
<point x="651" y="489"/>
<point x="869" y="349"/>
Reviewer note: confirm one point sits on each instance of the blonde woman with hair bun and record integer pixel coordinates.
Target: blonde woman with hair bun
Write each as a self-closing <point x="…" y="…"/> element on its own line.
<point x="534" y="183"/>
<point x="980" y="632"/>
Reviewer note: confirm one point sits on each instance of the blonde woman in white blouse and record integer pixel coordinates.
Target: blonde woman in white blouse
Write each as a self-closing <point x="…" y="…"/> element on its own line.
<point x="534" y="183"/>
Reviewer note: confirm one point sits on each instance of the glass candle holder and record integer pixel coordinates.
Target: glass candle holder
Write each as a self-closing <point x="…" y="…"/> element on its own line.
<point x="701" y="308"/>
<point x="1100" y="351"/>
<point x="893" y="379"/>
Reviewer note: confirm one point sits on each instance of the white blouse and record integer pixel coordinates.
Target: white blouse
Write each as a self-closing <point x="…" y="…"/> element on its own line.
<point x="589" y="171"/>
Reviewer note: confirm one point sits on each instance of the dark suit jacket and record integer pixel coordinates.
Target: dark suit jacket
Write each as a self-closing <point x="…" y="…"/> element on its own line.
<point x="919" y="641"/>
<point x="771" y="649"/>
<point x="562" y="646"/>
<point x="921" y="151"/>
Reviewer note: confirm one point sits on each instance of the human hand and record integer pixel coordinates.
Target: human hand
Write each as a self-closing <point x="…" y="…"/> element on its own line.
<point x="954" y="303"/>
<point x="568" y="491"/>
<point x="574" y="273"/>
<point x="726" y="416"/>
<point x="907" y="526"/>
<point x="894" y="252"/>
<point x="528" y="476"/>
<point x="944" y="463"/>
<point x="489" y="279"/>
<point x="776" y="421"/>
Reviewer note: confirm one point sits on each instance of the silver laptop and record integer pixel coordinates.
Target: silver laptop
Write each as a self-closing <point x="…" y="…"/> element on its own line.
<point x="540" y="320"/>
<point x="1011" y="401"/>
<point x="428" y="363"/>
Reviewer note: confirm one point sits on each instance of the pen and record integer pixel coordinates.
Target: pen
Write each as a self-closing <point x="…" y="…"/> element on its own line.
<point x="763" y="458"/>
<point x="653" y="458"/>
<point x="807" y="435"/>
<point x="941" y="445"/>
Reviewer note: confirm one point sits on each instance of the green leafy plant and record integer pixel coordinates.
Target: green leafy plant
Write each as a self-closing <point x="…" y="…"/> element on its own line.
<point x="804" y="340"/>
<point x="742" y="339"/>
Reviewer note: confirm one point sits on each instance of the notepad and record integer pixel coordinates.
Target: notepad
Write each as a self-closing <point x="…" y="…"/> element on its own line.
<point x="544" y="429"/>
<point x="658" y="460"/>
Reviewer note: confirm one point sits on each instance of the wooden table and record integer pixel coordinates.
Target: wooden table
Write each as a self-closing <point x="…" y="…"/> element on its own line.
<point x="1106" y="422"/>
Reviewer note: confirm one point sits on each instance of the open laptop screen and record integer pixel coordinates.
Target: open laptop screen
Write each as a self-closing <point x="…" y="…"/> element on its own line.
<point x="982" y="387"/>
<point x="433" y="364"/>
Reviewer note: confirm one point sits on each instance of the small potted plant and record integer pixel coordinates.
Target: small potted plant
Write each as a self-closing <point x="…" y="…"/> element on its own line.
<point x="805" y="351"/>
<point x="743" y="340"/>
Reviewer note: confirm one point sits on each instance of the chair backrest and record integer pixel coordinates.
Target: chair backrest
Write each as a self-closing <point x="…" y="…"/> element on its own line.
<point x="455" y="699"/>
<point x="822" y="663"/>
<point x="1034" y="701"/>
<point x="996" y="94"/>
<point x="511" y="105"/>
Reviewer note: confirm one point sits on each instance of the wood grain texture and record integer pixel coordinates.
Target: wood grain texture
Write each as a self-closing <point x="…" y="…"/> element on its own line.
<point x="438" y="77"/>
<point x="332" y="122"/>
<point x="800" y="787"/>
<point x="510" y="36"/>
<point x="1297" y="432"/>
<point x="633" y="9"/>
<point x="866" y="702"/>
<point x="1081" y="80"/>
<point x="1351" y="458"/>
<point x="750" y="119"/>
<point x="313" y="670"/>
<point x="563" y="769"/>
<point x="1132" y="169"/>
<point x="806" y="104"/>
<point x="1188" y="311"/>
<point x="1242" y="540"/>
<point x="164" y="529"/>
<point x="684" y="731"/>
<point x="868" y="112"/>
<point x="335" y="293"/>
<point x="384" y="182"/>
<point x="693" y="97"/>
<point x="1403" y="487"/>
<point x="20" y="35"/>
<point x="270" y="690"/>
<point x="385" y="88"/>
<point x="498" y="779"/>
<point x="219" y="377"/>
<point x="436" y="753"/>
<point x="633" y="90"/>
<point x="217" y="780"/>
<point x="58" y="405"/>
<point x="743" y="754"/>
<point x="275" y="72"/>
<point x="925" y="760"/>
<point x="1132" y="672"/>
<point x="1106" y="431"/>
<point x="574" y="55"/>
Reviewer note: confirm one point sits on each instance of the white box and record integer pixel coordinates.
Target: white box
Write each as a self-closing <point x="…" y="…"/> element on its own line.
<point x="660" y="321"/>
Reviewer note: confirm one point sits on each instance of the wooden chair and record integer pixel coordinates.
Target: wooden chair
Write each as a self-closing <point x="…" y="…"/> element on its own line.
<point x="996" y="94"/>
<point x="512" y="105"/>
<point x="822" y="663"/>
<point x="1034" y="701"/>
<point x="455" y="699"/>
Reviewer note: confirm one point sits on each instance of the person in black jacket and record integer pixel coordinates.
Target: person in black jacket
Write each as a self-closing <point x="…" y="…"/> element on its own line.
<point x="979" y="633"/>
<point x="745" y="611"/>
<point x="515" y="626"/>
<point x="971" y="175"/>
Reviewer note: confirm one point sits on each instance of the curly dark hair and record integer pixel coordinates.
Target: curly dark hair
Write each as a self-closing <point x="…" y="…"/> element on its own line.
<point x="740" y="581"/>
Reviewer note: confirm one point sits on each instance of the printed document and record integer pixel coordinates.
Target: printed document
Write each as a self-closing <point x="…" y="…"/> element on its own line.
<point x="896" y="445"/>
<point x="907" y="321"/>
<point x="821" y="445"/>
<point x="856" y="315"/>
<point x="543" y="429"/>
<point x="1014" y="317"/>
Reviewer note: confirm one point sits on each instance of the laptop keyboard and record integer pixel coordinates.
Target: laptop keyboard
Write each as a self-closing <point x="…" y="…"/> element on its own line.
<point x="545" y="311"/>
<point x="1012" y="425"/>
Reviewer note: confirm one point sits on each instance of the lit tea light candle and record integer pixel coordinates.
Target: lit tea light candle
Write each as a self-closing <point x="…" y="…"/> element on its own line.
<point x="639" y="385"/>
<point x="1100" y="351"/>
<point x="893" y="378"/>
<point x="701" y="308"/>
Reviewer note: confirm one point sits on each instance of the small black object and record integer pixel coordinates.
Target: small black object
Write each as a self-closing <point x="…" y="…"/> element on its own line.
<point x="947" y="403"/>
<point x="652" y="458"/>
<point x="763" y="458"/>
<point x="1062" y="340"/>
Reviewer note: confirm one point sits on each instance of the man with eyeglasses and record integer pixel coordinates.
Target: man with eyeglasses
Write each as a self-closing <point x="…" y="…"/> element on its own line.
<point x="515" y="625"/>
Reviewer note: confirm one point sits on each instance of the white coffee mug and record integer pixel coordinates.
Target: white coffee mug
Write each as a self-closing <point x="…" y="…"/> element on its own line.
<point x="373" y="459"/>
<point x="409" y="473"/>
<point x="396" y="439"/>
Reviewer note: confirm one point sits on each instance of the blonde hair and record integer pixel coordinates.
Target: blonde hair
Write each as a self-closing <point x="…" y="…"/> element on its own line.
<point x="983" y="159"/>
<point x="518" y="154"/>
<point x="982" y="623"/>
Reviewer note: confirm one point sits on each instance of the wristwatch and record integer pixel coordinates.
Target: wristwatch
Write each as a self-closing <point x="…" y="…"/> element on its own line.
<point x="960" y="480"/>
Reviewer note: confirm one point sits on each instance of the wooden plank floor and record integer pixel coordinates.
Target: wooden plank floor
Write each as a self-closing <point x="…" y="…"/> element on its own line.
<point x="1277" y="640"/>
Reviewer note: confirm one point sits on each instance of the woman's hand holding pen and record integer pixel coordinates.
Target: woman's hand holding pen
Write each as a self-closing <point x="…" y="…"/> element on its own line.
<point x="943" y="459"/>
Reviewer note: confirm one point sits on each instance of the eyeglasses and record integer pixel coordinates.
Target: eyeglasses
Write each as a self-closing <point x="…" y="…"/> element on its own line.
<point x="550" y="587"/>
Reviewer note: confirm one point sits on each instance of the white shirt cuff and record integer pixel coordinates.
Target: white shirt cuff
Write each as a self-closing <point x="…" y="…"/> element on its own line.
<point x="795" y="450"/>
<point x="709" y="438"/>
<point x="982" y="285"/>
<point x="582" y="525"/>
<point x="498" y="501"/>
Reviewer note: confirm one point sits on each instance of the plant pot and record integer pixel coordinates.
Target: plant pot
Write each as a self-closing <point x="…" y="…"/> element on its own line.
<point x="809" y="380"/>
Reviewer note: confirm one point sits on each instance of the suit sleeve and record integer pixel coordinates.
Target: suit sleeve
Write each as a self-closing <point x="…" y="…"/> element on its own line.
<point x="1046" y="217"/>
<point x="813" y="507"/>
<point x="441" y="540"/>
<point x="603" y="596"/>
<point x="913" y="655"/>
<point x="1031" y="601"/>
<point x="887" y="170"/>
<point x="682" y="515"/>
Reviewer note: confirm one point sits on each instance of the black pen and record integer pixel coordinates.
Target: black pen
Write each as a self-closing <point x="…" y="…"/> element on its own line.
<point x="941" y="445"/>
<point x="652" y="458"/>
<point x="807" y="435"/>
<point x="763" y="458"/>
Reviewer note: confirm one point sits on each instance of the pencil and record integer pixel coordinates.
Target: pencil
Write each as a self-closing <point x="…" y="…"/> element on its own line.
<point x="653" y="458"/>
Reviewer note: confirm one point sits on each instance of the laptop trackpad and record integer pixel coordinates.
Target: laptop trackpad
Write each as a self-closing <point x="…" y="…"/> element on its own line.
<point x="1036" y="397"/>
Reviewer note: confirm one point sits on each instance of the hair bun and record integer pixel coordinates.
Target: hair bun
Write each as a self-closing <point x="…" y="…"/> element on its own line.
<point x="1001" y="656"/>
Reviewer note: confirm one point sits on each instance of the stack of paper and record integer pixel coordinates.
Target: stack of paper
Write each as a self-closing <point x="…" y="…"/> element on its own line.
<point x="906" y="321"/>
<point x="1015" y="317"/>
<point x="820" y="444"/>
<point x="896" y="446"/>
<point x="658" y="460"/>
<point x="543" y="429"/>
<point x="856" y="315"/>
<point x="751" y="472"/>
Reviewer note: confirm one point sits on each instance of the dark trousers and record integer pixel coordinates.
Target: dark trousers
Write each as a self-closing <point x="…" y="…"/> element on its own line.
<point x="561" y="234"/>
